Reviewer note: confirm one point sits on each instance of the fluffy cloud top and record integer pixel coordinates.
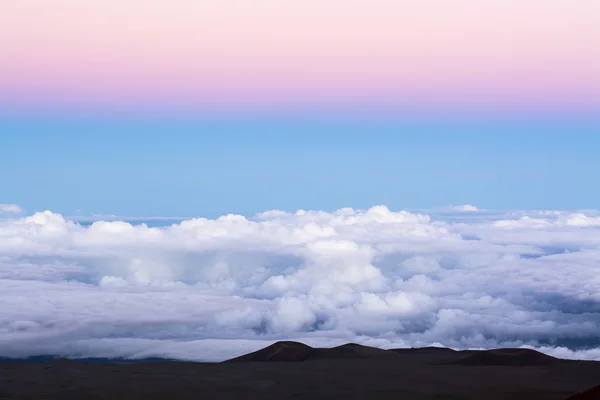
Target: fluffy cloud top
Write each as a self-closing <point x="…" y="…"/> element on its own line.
<point x="208" y="289"/>
<point x="464" y="208"/>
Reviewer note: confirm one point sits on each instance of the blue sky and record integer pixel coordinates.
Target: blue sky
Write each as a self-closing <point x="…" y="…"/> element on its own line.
<point x="152" y="167"/>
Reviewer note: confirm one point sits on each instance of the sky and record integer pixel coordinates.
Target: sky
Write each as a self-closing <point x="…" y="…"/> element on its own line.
<point x="233" y="56"/>
<point x="185" y="108"/>
<point x="197" y="179"/>
<point x="210" y="168"/>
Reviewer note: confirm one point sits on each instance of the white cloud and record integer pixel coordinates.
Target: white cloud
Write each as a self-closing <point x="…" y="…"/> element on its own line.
<point x="579" y="219"/>
<point x="208" y="289"/>
<point x="10" y="209"/>
<point x="464" y="208"/>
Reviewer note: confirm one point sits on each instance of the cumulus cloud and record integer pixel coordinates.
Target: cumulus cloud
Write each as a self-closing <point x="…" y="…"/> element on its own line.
<point x="10" y="209"/>
<point x="209" y="289"/>
<point x="464" y="208"/>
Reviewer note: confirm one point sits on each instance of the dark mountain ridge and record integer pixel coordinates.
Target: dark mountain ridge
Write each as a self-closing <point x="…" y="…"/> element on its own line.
<point x="288" y="351"/>
<point x="283" y="369"/>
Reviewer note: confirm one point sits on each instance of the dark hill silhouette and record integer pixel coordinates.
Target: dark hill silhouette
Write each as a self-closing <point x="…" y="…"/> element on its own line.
<point x="590" y="394"/>
<point x="350" y="350"/>
<point x="350" y="371"/>
<point x="434" y="355"/>
<point x="286" y="351"/>
<point x="424" y="350"/>
<point x="508" y="357"/>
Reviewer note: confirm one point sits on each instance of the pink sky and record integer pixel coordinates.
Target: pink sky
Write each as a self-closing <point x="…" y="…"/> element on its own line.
<point x="538" y="55"/>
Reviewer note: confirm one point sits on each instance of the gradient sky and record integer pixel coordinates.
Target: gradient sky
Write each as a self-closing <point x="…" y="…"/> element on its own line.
<point x="186" y="107"/>
<point x="233" y="56"/>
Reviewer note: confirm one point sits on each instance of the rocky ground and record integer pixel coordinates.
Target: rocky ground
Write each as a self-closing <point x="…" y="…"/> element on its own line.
<point x="289" y="370"/>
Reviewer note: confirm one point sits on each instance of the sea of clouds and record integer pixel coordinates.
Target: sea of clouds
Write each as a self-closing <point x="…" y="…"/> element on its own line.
<point x="210" y="289"/>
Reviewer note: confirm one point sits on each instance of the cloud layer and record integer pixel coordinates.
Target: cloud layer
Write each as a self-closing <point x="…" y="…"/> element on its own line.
<point x="10" y="209"/>
<point x="209" y="289"/>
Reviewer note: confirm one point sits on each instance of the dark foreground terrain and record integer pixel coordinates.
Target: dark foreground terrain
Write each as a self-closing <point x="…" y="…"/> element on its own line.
<point x="289" y="370"/>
